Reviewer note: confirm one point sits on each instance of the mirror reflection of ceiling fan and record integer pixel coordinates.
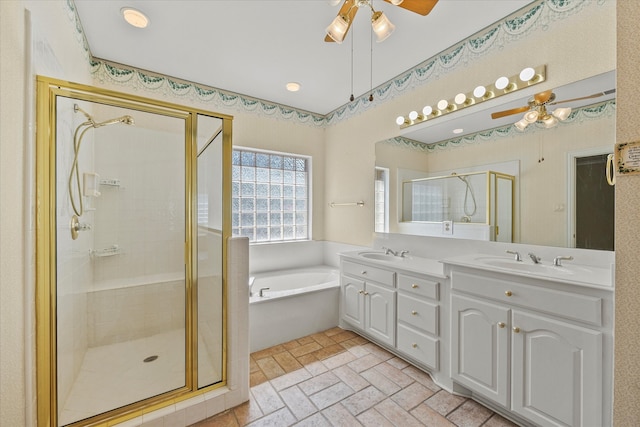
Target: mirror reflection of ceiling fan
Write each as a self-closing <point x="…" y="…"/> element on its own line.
<point x="382" y="27"/>
<point x="536" y="110"/>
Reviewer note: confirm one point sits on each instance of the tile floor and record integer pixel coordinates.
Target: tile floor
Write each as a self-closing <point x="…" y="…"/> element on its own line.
<point x="337" y="378"/>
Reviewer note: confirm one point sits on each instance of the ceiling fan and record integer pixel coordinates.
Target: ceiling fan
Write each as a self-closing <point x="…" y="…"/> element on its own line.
<point x="536" y="110"/>
<point x="382" y="27"/>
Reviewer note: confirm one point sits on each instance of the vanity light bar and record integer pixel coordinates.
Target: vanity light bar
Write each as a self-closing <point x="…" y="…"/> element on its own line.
<point x="503" y="85"/>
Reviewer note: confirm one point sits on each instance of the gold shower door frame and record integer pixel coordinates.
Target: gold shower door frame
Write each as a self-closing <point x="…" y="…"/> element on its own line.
<point x="48" y="90"/>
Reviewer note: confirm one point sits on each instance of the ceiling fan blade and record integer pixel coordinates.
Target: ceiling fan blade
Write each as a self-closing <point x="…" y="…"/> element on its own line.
<point x="505" y="113"/>
<point x="348" y="7"/>
<point x="595" y="95"/>
<point x="542" y="97"/>
<point x="421" y="7"/>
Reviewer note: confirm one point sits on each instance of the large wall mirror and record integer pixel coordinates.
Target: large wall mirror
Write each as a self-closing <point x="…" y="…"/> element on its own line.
<point x="560" y="193"/>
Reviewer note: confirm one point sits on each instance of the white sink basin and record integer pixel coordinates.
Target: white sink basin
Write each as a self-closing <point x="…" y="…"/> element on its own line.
<point x="526" y="267"/>
<point x="381" y="256"/>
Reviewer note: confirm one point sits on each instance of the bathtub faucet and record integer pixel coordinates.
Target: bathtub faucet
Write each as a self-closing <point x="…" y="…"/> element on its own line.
<point x="262" y="291"/>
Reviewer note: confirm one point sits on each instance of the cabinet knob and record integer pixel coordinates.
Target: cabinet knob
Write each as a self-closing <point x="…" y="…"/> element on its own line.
<point x="363" y="272"/>
<point x="414" y="286"/>
<point x="501" y="324"/>
<point x="508" y="293"/>
<point x="366" y="293"/>
<point x="414" y="345"/>
<point x="414" y="312"/>
<point x="516" y="329"/>
<point x="361" y="291"/>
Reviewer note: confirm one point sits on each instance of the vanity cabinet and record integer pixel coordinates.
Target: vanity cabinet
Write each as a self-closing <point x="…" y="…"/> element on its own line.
<point x="368" y="300"/>
<point x="393" y="307"/>
<point x="534" y="350"/>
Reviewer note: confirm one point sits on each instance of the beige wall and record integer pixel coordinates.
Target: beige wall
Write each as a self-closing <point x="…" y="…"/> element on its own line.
<point x="627" y="316"/>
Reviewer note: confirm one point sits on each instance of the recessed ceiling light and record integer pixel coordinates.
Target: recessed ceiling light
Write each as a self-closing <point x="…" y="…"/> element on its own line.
<point x="457" y="131"/>
<point x="293" y="86"/>
<point x="134" y="17"/>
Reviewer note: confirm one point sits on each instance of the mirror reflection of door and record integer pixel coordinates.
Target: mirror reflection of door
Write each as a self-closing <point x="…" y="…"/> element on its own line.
<point x="595" y="202"/>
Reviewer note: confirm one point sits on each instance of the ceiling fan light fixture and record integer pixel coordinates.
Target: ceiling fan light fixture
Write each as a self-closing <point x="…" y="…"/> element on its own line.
<point x="562" y="113"/>
<point x="337" y="30"/>
<point x="381" y="25"/>
<point x="396" y="2"/>
<point x="549" y="121"/>
<point x="521" y="125"/>
<point x="531" y="116"/>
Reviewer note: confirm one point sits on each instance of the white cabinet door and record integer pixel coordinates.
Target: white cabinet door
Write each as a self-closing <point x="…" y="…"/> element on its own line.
<point x="480" y="347"/>
<point x="353" y="301"/>
<point x="556" y="372"/>
<point x="380" y="313"/>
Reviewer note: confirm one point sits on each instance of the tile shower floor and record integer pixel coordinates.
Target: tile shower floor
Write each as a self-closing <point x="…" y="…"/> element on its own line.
<point x="337" y="378"/>
<point x="115" y="375"/>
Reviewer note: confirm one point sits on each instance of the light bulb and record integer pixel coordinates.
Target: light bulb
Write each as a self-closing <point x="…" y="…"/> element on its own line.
<point x="413" y="115"/>
<point x="443" y="104"/>
<point x="400" y="120"/>
<point x="381" y="25"/>
<point x="337" y="30"/>
<point x="502" y="83"/>
<point x="460" y="98"/>
<point x="396" y="2"/>
<point x="527" y="74"/>
<point x="426" y="111"/>
<point x="134" y="17"/>
<point x="479" y="91"/>
<point x="549" y="121"/>
<point x="293" y="86"/>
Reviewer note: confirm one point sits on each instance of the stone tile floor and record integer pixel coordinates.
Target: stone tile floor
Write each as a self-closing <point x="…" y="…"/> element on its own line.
<point x="337" y="378"/>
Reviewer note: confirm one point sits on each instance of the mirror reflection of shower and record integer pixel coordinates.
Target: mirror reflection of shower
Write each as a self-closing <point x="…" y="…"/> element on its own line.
<point x="468" y="212"/>
<point x="78" y="135"/>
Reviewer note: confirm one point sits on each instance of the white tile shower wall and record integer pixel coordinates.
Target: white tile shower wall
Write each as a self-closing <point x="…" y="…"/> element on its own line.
<point x="74" y="269"/>
<point x="144" y="216"/>
<point x="123" y="314"/>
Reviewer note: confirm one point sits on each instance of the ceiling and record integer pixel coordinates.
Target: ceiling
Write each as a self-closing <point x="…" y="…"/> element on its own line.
<point x="254" y="47"/>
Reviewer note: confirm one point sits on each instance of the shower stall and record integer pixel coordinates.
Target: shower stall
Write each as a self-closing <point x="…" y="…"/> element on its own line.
<point x="131" y="235"/>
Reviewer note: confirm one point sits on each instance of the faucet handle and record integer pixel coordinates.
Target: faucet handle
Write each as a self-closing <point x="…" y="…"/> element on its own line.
<point x="557" y="261"/>
<point x="403" y="253"/>
<point x="516" y="253"/>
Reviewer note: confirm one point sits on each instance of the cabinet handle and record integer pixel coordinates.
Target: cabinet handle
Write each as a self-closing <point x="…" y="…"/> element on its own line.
<point x="414" y="286"/>
<point x="414" y="312"/>
<point x="363" y="272"/>
<point x="414" y="345"/>
<point x="508" y="293"/>
<point x="366" y="293"/>
<point x="501" y="324"/>
<point x="516" y="329"/>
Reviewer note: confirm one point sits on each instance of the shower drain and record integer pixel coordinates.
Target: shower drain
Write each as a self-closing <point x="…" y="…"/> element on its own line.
<point x="150" y="359"/>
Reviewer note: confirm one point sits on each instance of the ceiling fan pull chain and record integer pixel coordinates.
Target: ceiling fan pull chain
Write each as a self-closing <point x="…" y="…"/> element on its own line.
<point x="351" y="98"/>
<point x="371" y="65"/>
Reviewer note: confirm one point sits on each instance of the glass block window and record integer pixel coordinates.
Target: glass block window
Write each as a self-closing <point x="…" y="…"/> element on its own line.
<point x="381" y="200"/>
<point x="270" y="196"/>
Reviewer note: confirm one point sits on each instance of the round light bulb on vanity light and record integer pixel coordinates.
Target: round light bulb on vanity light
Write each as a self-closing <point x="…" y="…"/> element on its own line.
<point x="527" y="74"/>
<point x="426" y="111"/>
<point x="400" y="120"/>
<point x="413" y="115"/>
<point x="460" y="98"/>
<point x="479" y="91"/>
<point x="502" y="82"/>
<point x="442" y="104"/>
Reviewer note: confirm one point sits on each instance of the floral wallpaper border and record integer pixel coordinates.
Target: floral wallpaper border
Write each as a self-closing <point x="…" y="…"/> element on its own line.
<point x="579" y="115"/>
<point x="539" y="15"/>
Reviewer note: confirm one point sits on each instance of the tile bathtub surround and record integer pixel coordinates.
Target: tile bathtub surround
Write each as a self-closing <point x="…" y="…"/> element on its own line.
<point x="337" y="378"/>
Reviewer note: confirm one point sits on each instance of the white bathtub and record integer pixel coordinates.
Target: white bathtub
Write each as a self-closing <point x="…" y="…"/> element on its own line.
<point x="298" y="302"/>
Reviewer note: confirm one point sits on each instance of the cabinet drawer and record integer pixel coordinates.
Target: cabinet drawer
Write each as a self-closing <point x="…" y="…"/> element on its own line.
<point x="565" y="304"/>
<point x="419" y="286"/>
<point x="418" y="346"/>
<point x="366" y="272"/>
<point x="418" y="313"/>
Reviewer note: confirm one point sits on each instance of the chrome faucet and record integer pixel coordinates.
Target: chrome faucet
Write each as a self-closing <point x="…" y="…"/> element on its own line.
<point x="557" y="261"/>
<point x="534" y="258"/>
<point x="388" y="251"/>
<point x="516" y="253"/>
<point x="262" y="291"/>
